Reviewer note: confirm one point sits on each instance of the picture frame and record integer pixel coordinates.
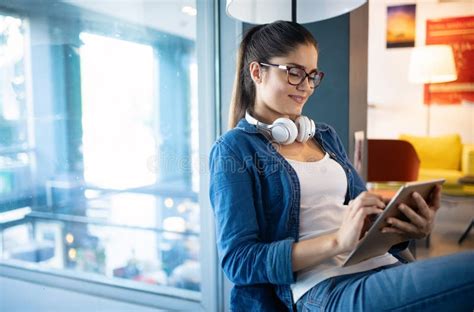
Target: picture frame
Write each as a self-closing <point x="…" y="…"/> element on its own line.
<point x="401" y="26"/>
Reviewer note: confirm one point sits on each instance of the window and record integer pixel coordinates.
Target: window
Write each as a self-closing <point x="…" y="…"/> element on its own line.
<point x="99" y="110"/>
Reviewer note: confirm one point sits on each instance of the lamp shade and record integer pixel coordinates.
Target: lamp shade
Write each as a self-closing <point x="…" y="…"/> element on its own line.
<point x="432" y="64"/>
<point x="267" y="11"/>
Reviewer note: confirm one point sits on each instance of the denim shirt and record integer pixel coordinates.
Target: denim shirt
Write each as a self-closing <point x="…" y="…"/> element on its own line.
<point x="255" y="195"/>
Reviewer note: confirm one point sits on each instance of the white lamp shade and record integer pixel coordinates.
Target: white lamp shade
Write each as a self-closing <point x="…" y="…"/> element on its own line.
<point x="432" y="64"/>
<point x="268" y="11"/>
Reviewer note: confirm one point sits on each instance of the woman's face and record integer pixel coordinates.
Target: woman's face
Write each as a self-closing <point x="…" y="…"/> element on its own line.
<point x="275" y="97"/>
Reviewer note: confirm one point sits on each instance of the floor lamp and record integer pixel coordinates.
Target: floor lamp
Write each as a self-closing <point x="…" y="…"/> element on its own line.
<point x="301" y="11"/>
<point x="431" y="64"/>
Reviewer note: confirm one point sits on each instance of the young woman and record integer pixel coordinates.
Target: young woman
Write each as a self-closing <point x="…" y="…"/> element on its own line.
<point x="289" y="206"/>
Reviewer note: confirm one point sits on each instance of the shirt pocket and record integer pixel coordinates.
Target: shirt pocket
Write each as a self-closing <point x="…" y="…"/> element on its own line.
<point x="271" y="195"/>
<point x="271" y="180"/>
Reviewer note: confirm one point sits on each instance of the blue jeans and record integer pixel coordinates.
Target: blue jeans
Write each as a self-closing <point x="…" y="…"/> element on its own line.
<point x="437" y="284"/>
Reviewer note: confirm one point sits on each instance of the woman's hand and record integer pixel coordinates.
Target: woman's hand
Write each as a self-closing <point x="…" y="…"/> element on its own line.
<point x="420" y="224"/>
<point x="362" y="206"/>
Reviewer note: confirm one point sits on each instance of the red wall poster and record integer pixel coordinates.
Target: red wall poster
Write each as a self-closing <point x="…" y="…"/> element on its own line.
<point x="458" y="32"/>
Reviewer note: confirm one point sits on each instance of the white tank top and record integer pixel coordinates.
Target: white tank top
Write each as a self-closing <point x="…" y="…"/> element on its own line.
<point x="323" y="186"/>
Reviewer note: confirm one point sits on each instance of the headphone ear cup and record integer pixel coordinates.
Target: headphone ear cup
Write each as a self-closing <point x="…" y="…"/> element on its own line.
<point x="303" y="124"/>
<point x="312" y="132"/>
<point x="284" y="131"/>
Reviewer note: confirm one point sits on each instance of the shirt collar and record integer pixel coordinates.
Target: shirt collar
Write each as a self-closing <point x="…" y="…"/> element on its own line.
<point x="244" y="125"/>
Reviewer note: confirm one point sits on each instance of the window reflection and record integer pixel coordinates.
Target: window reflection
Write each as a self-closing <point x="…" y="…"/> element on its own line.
<point x="116" y="252"/>
<point x="15" y="160"/>
<point x="99" y="136"/>
<point x="118" y="96"/>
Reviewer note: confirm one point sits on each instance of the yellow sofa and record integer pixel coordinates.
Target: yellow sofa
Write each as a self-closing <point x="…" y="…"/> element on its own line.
<point x="444" y="157"/>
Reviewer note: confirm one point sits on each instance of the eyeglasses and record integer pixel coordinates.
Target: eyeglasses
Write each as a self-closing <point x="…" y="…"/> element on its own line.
<point x="297" y="75"/>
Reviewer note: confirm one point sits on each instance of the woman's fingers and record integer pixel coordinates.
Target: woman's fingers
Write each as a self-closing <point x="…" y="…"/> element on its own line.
<point x="392" y="230"/>
<point x="404" y="226"/>
<point x="423" y="207"/>
<point x="419" y="225"/>
<point x="374" y="201"/>
<point x="365" y="199"/>
<point x="436" y="198"/>
<point x="365" y="211"/>
<point x="415" y="218"/>
<point x="357" y="220"/>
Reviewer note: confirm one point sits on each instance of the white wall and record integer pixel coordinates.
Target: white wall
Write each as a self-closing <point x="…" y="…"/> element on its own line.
<point x="395" y="104"/>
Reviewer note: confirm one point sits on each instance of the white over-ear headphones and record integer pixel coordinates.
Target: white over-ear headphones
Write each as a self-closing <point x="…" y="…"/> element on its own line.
<point x="284" y="130"/>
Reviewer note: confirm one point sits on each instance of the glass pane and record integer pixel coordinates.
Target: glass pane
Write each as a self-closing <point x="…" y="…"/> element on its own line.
<point x="12" y="82"/>
<point x="15" y="171"/>
<point x="113" y="153"/>
<point x="117" y="111"/>
<point x="15" y="176"/>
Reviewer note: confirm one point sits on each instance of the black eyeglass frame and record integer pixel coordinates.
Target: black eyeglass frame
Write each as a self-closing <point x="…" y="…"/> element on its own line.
<point x="319" y="74"/>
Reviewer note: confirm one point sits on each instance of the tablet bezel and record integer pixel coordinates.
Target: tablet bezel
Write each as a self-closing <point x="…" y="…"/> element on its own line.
<point x="375" y="243"/>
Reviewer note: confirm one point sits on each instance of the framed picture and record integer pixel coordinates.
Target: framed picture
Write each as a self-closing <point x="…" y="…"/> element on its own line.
<point x="401" y="26"/>
<point x="458" y="32"/>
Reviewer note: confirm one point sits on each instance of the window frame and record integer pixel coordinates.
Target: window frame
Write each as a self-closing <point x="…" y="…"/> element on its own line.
<point x="211" y="295"/>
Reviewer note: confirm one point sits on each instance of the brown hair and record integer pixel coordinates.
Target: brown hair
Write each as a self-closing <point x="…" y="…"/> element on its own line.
<point x="261" y="43"/>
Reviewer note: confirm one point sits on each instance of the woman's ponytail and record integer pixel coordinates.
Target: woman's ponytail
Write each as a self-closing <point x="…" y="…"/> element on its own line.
<point x="243" y="93"/>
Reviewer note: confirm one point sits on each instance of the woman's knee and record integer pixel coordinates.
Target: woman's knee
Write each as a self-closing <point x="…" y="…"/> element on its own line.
<point x="465" y="258"/>
<point x="458" y="265"/>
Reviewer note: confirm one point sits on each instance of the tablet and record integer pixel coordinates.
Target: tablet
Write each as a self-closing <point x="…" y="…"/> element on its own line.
<point x="375" y="243"/>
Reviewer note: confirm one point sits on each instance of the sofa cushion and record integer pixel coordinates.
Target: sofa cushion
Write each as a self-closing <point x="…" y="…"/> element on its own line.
<point x="467" y="161"/>
<point x="451" y="176"/>
<point x="443" y="152"/>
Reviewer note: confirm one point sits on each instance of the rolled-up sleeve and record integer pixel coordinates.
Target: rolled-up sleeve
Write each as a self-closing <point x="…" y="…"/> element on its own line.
<point x="244" y="258"/>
